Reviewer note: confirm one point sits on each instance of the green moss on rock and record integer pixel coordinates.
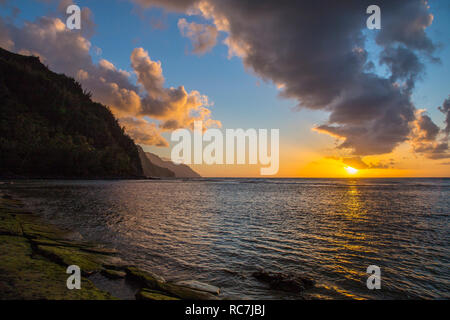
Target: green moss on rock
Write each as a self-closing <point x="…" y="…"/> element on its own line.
<point x="9" y="225"/>
<point x="147" y="294"/>
<point x="187" y="293"/>
<point x="24" y="275"/>
<point x="114" y="274"/>
<point x="148" y="280"/>
<point x="88" y="263"/>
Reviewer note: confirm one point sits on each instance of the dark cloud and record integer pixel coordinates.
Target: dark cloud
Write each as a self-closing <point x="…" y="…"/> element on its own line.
<point x="404" y="65"/>
<point x="445" y="109"/>
<point x="427" y="138"/>
<point x="405" y="22"/>
<point x="355" y="162"/>
<point x="429" y="130"/>
<point x="315" y="52"/>
<point x="434" y="151"/>
<point x="175" y="5"/>
<point x="202" y="36"/>
<point x="360" y="164"/>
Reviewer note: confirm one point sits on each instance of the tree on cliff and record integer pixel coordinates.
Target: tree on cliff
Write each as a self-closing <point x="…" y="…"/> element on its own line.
<point x="50" y="127"/>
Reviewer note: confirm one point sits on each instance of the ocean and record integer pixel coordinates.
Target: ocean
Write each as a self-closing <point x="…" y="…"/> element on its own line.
<point x="220" y="231"/>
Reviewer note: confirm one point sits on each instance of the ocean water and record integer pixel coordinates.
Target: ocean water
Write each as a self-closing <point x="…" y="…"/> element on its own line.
<point x="222" y="230"/>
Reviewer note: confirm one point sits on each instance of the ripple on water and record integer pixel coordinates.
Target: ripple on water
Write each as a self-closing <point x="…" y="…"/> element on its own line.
<point x="222" y="230"/>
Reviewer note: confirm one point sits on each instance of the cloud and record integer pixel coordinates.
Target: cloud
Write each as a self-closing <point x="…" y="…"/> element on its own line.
<point x="445" y="109"/>
<point x="174" y="5"/>
<point x="68" y="51"/>
<point x="426" y="129"/>
<point x="427" y="138"/>
<point x="404" y="65"/>
<point x="5" y="37"/>
<point x="175" y="107"/>
<point x="149" y="72"/>
<point x="355" y="162"/>
<point x="316" y="54"/>
<point x="358" y="163"/>
<point x="202" y="36"/>
<point x="143" y="132"/>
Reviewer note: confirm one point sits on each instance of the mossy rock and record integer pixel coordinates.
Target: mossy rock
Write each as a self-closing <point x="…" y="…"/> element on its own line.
<point x="34" y="256"/>
<point x="9" y="225"/>
<point x="24" y="275"/>
<point x="147" y="279"/>
<point x="147" y="294"/>
<point x="88" y="263"/>
<point x="32" y="229"/>
<point x="91" y="248"/>
<point x="187" y="293"/>
<point x="10" y="202"/>
<point x="200" y="286"/>
<point x="98" y="250"/>
<point x="114" y="274"/>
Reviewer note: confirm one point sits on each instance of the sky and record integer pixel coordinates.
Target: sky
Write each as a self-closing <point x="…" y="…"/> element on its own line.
<point x="340" y="94"/>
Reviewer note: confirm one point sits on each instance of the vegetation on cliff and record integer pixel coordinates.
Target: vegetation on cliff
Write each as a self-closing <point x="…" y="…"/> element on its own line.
<point x="50" y="127"/>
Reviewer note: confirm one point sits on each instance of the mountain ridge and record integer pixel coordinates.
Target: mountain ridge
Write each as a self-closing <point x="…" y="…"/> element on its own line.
<point x="180" y="170"/>
<point x="151" y="170"/>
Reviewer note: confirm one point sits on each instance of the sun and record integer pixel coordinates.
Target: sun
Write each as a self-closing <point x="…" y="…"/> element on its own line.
<point x="351" y="170"/>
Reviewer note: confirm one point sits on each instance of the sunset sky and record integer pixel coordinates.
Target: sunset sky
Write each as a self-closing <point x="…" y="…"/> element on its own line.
<point x="341" y="95"/>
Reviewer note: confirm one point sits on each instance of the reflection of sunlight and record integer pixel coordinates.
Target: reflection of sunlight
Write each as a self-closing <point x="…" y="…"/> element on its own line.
<point x="352" y="202"/>
<point x="349" y="239"/>
<point x="344" y="293"/>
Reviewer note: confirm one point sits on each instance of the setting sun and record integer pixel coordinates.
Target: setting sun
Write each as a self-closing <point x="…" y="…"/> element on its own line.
<point x="351" y="170"/>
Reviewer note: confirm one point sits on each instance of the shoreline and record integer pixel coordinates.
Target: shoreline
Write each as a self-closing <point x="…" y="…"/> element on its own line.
<point x="35" y="254"/>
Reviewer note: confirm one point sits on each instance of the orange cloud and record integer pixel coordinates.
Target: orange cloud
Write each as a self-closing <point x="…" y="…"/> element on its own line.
<point x="68" y="52"/>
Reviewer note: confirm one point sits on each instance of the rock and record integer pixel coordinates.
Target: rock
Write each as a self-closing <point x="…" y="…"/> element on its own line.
<point x="88" y="263"/>
<point x="10" y="226"/>
<point x="100" y="250"/>
<point x="84" y="246"/>
<point x="147" y="279"/>
<point x="146" y="294"/>
<point x="28" y="276"/>
<point x="31" y="228"/>
<point x="197" y="285"/>
<point x="116" y="263"/>
<point x="113" y="274"/>
<point x="187" y="293"/>
<point x="284" y="282"/>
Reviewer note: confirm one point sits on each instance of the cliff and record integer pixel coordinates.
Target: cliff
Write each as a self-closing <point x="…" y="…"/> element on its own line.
<point x="50" y="127"/>
<point x="180" y="170"/>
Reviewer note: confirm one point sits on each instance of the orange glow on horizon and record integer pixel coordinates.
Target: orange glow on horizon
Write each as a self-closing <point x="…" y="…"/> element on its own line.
<point x="295" y="163"/>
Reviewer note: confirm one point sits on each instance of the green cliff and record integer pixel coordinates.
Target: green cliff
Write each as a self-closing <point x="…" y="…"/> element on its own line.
<point x="50" y="127"/>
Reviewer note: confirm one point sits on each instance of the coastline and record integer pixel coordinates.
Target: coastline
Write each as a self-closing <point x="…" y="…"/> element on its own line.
<point x="34" y="257"/>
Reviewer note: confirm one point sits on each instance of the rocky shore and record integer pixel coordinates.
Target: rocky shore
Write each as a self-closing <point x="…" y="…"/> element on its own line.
<point x="34" y="256"/>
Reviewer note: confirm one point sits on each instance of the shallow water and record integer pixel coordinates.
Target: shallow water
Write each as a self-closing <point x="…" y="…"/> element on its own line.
<point x="221" y="230"/>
